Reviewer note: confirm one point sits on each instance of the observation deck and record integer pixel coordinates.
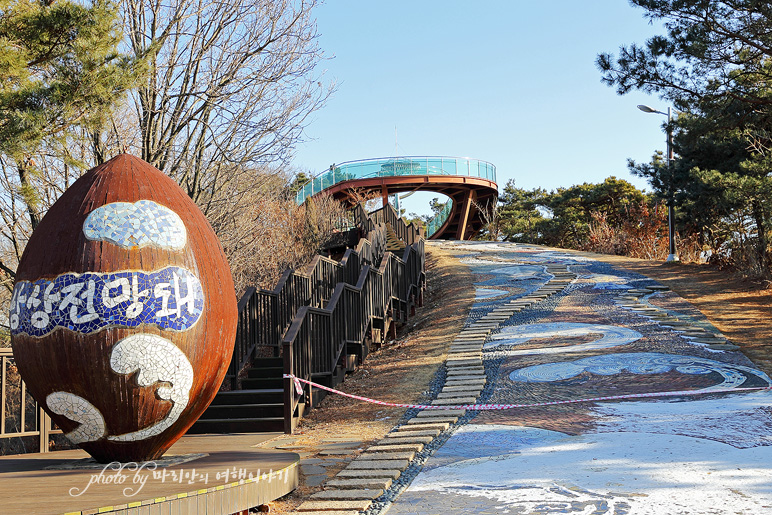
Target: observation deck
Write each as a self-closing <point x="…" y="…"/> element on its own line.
<point x="469" y="184"/>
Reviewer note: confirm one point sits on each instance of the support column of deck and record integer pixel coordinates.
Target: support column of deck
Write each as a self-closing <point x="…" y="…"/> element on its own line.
<point x="385" y="194"/>
<point x="464" y="218"/>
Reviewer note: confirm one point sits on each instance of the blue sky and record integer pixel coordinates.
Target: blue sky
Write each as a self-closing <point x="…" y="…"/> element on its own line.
<point x="510" y="82"/>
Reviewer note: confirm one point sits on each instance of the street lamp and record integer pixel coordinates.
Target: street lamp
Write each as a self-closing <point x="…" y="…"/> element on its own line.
<point x="672" y="256"/>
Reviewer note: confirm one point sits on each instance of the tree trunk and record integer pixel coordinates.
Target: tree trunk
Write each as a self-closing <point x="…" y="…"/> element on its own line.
<point x="763" y="250"/>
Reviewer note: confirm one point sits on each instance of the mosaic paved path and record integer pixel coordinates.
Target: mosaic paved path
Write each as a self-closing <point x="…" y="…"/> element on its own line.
<point x="602" y="331"/>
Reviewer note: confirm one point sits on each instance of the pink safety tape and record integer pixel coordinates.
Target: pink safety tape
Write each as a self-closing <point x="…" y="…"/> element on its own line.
<point x="490" y="407"/>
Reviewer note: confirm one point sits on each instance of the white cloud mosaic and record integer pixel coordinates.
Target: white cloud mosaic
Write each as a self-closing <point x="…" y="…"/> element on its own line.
<point x="611" y="336"/>
<point x="639" y="363"/>
<point x="78" y="409"/>
<point x="141" y="224"/>
<point x="157" y="360"/>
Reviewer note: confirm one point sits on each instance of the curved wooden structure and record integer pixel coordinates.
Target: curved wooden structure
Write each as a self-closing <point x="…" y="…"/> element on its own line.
<point x="123" y="314"/>
<point x="466" y="192"/>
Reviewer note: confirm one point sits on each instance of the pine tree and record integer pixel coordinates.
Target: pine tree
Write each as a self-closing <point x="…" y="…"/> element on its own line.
<point x="60" y="71"/>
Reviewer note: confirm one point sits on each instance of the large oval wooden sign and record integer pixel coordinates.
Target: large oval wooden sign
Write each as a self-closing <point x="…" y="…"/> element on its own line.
<point x="123" y="314"/>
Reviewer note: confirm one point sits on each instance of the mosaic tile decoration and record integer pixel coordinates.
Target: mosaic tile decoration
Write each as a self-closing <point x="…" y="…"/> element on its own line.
<point x="171" y="298"/>
<point x="488" y="293"/>
<point x="141" y="224"/>
<point x="640" y="363"/>
<point x="158" y="360"/>
<point x="611" y="336"/>
<point x="518" y="272"/>
<point x="78" y="409"/>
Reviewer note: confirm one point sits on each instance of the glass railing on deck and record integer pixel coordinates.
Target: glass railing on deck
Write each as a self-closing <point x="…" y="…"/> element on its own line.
<point x="435" y="223"/>
<point x="397" y="166"/>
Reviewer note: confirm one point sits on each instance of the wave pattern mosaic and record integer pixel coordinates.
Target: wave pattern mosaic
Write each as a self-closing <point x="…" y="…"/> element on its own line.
<point x="602" y="332"/>
<point x="640" y="363"/>
<point x="170" y="298"/>
<point x="157" y="360"/>
<point x="139" y="224"/>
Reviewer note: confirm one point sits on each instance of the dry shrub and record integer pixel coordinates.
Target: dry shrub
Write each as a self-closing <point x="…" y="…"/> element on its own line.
<point x="642" y="233"/>
<point x="264" y="232"/>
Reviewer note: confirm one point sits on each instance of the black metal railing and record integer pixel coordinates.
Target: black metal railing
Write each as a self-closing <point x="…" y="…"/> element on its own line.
<point x="265" y="315"/>
<point x="315" y="345"/>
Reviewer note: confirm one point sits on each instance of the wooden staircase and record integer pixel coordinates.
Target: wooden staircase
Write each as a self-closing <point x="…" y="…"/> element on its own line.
<point x="257" y="401"/>
<point x="257" y="407"/>
<point x="393" y="243"/>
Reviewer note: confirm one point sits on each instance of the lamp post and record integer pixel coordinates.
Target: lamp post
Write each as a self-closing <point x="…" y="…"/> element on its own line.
<point x="672" y="256"/>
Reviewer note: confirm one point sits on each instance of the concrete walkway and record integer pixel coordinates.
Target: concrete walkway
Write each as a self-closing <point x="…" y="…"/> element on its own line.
<point x="555" y="326"/>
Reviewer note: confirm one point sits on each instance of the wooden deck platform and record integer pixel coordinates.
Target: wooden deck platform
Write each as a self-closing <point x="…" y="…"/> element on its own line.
<point x="233" y="476"/>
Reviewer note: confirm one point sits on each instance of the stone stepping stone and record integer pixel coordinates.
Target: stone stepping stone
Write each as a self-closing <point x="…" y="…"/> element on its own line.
<point x="401" y="433"/>
<point x="466" y="368"/>
<point x="407" y="439"/>
<point x="456" y="396"/>
<point x="445" y="413"/>
<point x="463" y="361"/>
<point x="378" y="464"/>
<point x="467" y="382"/>
<point x="315" y="480"/>
<point x="640" y="291"/>
<point x="709" y="340"/>
<point x="442" y="426"/>
<point x="461" y="387"/>
<point x="374" y="483"/>
<point x="723" y="346"/>
<point x="338" y="452"/>
<point x="392" y="474"/>
<point x="466" y="379"/>
<point x="431" y="421"/>
<point x="312" y="470"/>
<point x="346" y="495"/>
<point x="475" y="351"/>
<point x="470" y="369"/>
<point x="387" y="455"/>
<point x="327" y="506"/>
<point x="463" y="372"/>
<point x="456" y="401"/>
<point x="405" y="447"/>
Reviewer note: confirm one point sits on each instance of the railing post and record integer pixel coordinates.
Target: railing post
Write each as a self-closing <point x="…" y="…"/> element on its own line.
<point x="289" y="389"/>
<point x="44" y="422"/>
